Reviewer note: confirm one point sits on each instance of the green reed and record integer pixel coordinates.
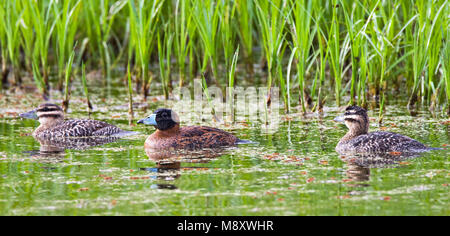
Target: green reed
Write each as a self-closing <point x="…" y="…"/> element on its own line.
<point x="434" y="43"/>
<point x="282" y="80"/>
<point x="43" y="24"/>
<point x="228" y="36"/>
<point x="272" y="20"/>
<point x="67" y="79"/>
<point x="353" y="21"/>
<point x="27" y="33"/>
<point x="333" y="49"/>
<point x="130" y="95"/>
<point x="245" y="21"/>
<point x="287" y="100"/>
<point x="182" y="22"/>
<point x="362" y="77"/>
<point x="302" y="40"/>
<point x="39" y="81"/>
<point x="10" y="15"/>
<point x="355" y="51"/>
<point x="144" y="20"/>
<point x="3" y="48"/>
<point x="232" y="71"/>
<point x="85" y="88"/>
<point x="206" y="17"/>
<point x="100" y="18"/>
<point x="445" y="60"/>
<point x="318" y="17"/>
<point x="164" y="52"/>
<point x="66" y="25"/>
<point x="424" y="53"/>
<point x="384" y="46"/>
<point x="231" y="83"/>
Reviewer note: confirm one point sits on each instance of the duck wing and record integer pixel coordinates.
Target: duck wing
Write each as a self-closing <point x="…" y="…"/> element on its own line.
<point x="204" y="137"/>
<point x="386" y="142"/>
<point x="84" y="128"/>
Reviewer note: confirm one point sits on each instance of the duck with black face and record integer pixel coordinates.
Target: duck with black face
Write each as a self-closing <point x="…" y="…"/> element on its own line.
<point x="53" y="125"/>
<point x="169" y="134"/>
<point x="359" y="140"/>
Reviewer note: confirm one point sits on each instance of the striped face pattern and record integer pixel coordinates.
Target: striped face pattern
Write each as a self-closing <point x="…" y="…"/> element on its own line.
<point x="356" y="119"/>
<point x="50" y="111"/>
<point x="356" y="114"/>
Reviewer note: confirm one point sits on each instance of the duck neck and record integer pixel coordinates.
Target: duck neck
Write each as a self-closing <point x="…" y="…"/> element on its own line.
<point x="47" y="123"/>
<point x="168" y="132"/>
<point x="353" y="133"/>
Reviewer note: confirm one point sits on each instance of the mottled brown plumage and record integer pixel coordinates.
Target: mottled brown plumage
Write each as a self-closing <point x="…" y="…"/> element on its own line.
<point x="75" y="143"/>
<point x="53" y="125"/>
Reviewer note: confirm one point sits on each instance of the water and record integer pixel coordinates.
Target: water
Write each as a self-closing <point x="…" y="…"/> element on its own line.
<point x="293" y="171"/>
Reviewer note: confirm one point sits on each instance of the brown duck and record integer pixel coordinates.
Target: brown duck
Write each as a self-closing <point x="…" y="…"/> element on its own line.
<point x="169" y="134"/>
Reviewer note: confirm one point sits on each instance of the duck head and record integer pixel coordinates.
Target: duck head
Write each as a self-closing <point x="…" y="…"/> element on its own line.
<point x="162" y="119"/>
<point x="45" y="113"/>
<point x="356" y="119"/>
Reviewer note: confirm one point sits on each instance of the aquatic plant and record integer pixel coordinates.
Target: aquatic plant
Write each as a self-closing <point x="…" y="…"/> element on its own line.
<point x="130" y="95"/>
<point x="67" y="79"/>
<point x="66" y="25"/>
<point x="302" y="38"/>
<point x="206" y="17"/>
<point x="334" y="51"/>
<point x="227" y="33"/>
<point x="11" y="17"/>
<point x="245" y="21"/>
<point x="271" y="20"/>
<point x="356" y="52"/>
<point x="143" y="23"/>
<point x="43" y="24"/>
<point x="445" y="60"/>
<point x="427" y="42"/>
<point x="3" y="49"/>
<point x="164" y="52"/>
<point x="231" y="74"/>
<point x="85" y="88"/>
<point x="182" y="22"/>
<point x="100" y="17"/>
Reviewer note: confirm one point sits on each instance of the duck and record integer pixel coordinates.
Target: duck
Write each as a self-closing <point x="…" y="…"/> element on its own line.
<point x="169" y="135"/>
<point x="52" y="124"/>
<point x="359" y="140"/>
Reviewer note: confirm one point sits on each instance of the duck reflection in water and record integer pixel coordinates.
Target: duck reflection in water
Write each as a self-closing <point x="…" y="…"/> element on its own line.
<point x="52" y="149"/>
<point x="359" y="165"/>
<point x="169" y="163"/>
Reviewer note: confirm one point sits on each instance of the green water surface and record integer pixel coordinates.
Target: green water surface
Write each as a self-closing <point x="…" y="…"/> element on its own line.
<point x="291" y="171"/>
